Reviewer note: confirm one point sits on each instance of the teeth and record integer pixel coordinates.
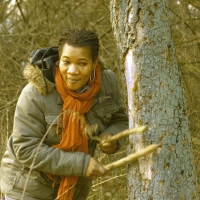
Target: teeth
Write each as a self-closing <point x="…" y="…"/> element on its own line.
<point x="72" y="80"/>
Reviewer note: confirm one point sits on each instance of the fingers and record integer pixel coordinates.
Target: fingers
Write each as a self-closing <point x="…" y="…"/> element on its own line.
<point x="107" y="147"/>
<point x="95" y="169"/>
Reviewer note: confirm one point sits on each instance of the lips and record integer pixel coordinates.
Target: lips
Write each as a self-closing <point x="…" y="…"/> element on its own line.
<point x="71" y="80"/>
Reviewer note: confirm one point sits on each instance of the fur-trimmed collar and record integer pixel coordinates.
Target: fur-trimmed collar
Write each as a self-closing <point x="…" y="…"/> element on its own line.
<point x="34" y="75"/>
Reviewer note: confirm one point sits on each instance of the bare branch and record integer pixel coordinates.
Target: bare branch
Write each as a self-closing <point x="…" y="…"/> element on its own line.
<point x="194" y="3"/>
<point x="18" y="5"/>
<point x="91" y="129"/>
<point x="132" y="157"/>
<point x="126" y="132"/>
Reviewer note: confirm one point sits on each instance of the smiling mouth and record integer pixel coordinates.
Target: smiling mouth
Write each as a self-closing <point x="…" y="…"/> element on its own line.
<point x="72" y="80"/>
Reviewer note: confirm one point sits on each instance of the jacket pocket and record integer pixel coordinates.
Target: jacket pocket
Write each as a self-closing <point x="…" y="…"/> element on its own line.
<point x="36" y="186"/>
<point x="104" y="112"/>
<point x="54" y="128"/>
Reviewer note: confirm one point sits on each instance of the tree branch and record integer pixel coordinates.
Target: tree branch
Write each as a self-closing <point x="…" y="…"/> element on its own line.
<point x="194" y="3"/>
<point x="89" y="130"/>
<point x="132" y="157"/>
<point x="18" y="5"/>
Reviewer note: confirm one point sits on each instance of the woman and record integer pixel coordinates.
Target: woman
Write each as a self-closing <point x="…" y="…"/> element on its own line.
<point x="51" y="121"/>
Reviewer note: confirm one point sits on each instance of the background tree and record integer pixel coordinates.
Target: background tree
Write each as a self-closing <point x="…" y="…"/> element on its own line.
<point x="28" y="25"/>
<point x="155" y="98"/>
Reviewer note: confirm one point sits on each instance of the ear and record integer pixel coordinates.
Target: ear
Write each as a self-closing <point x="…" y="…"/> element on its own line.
<point x="58" y="63"/>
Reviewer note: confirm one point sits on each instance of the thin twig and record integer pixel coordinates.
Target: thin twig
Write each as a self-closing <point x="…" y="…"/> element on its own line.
<point x="65" y="191"/>
<point x="36" y="153"/>
<point x="18" y="5"/>
<point x="108" y="180"/>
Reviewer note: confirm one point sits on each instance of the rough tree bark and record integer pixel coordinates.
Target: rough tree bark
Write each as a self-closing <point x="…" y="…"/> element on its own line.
<point x="155" y="98"/>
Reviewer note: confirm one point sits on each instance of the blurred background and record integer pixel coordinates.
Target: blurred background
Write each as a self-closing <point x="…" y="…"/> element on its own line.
<point x="29" y="25"/>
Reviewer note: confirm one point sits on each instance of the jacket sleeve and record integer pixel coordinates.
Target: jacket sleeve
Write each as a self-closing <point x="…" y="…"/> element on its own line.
<point x="28" y="139"/>
<point x="119" y="120"/>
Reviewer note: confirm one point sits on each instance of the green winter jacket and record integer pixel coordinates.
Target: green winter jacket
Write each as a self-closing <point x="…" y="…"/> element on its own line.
<point x="36" y="113"/>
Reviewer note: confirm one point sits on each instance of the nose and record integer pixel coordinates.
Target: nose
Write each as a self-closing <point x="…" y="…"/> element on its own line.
<point x="73" y="69"/>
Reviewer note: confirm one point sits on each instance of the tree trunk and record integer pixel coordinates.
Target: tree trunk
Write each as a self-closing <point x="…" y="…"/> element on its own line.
<point x="156" y="99"/>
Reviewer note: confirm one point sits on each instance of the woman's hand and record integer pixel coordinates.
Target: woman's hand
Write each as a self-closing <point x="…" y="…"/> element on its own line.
<point x="107" y="147"/>
<point x="95" y="169"/>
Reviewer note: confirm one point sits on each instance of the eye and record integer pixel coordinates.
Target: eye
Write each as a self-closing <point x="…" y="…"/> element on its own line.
<point x="82" y="63"/>
<point x="66" y="62"/>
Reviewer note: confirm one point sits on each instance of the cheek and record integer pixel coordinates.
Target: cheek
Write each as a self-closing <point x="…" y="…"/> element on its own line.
<point x="91" y="71"/>
<point x="62" y="70"/>
<point x="88" y="74"/>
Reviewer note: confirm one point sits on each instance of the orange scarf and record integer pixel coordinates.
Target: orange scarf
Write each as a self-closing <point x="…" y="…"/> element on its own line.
<point x="73" y="123"/>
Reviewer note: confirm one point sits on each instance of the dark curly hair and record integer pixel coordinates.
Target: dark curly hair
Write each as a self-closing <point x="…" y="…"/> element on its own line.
<point x="80" y="38"/>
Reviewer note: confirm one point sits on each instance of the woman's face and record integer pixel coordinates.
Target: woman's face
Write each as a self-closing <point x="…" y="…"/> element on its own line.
<point x="76" y="66"/>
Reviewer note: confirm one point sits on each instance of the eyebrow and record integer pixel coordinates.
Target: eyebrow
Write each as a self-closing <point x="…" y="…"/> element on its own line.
<point x="78" y="59"/>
